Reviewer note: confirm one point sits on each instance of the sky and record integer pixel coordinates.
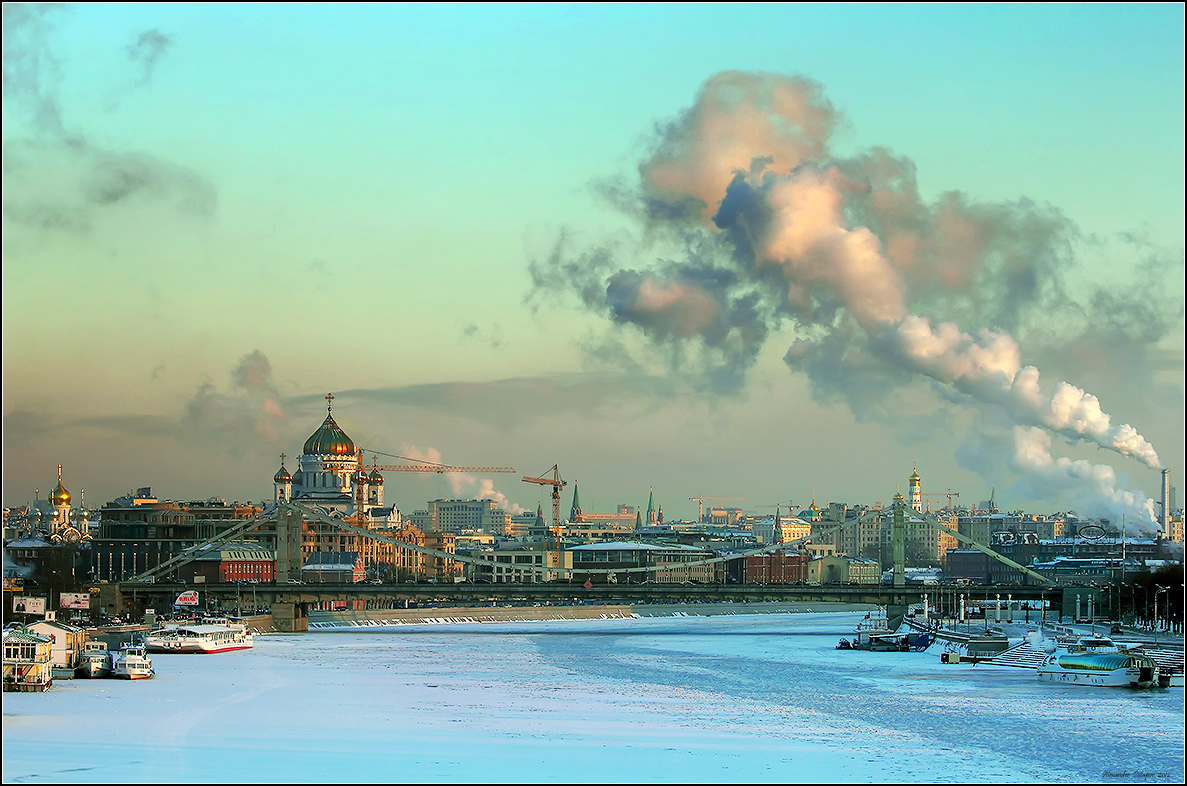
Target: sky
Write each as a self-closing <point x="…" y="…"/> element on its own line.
<point x="766" y="253"/>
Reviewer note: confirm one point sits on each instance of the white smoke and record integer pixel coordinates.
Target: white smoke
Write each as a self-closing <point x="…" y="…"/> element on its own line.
<point x="1095" y="484"/>
<point x="463" y="485"/>
<point x="772" y="226"/>
<point x="989" y="368"/>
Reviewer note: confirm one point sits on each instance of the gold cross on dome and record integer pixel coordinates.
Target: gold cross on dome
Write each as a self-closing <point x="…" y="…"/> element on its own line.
<point x="329" y="402"/>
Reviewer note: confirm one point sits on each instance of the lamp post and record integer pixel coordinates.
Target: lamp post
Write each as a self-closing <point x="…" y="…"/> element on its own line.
<point x="1157" y="592"/>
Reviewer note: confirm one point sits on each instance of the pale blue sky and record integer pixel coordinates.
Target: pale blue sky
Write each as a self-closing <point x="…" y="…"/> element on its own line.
<point x="356" y="192"/>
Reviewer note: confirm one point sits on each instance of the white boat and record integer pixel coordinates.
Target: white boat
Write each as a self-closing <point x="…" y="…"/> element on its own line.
<point x="876" y="633"/>
<point x="208" y="636"/>
<point x="131" y="663"/>
<point x="94" y="661"/>
<point x="1096" y="660"/>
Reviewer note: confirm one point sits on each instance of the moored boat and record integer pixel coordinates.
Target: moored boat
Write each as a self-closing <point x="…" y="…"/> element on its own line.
<point x="1096" y="660"/>
<point x="875" y="634"/>
<point x="94" y="661"/>
<point x="206" y="637"/>
<point x="131" y="663"/>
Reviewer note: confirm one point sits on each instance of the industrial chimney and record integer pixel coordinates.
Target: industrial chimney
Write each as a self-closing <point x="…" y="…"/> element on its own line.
<point x="1164" y="516"/>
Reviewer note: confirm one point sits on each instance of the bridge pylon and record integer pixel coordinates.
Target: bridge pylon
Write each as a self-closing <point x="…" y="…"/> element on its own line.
<point x="289" y="523"/>
<point x="899" y="542"/>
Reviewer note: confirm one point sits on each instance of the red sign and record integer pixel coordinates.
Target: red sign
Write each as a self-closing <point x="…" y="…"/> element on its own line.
<point x="588" y="584"/>
<point x="188" y="598"/>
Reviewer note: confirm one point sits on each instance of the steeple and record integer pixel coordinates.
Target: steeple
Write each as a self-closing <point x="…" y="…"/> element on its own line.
<point x="575" y="511"/>
<point x="916" y="490"/>
<point x="651" y="506"/>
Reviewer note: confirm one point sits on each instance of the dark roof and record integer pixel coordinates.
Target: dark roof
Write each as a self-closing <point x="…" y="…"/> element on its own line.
<point x="332" y="560"/>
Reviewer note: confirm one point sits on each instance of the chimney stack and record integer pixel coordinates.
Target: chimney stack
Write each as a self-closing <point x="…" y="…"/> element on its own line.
<point x="1165" y="517"/>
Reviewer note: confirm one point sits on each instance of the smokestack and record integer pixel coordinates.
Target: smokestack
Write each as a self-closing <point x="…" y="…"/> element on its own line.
<point x="1164" y="515"/>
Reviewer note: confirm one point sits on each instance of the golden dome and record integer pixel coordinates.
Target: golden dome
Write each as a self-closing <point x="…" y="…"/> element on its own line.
<point x="59" y="496"/>
<point x="330" y="440"/>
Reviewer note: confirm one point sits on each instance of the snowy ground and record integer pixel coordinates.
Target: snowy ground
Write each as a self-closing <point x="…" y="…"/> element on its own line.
<point x="710" y="699"/>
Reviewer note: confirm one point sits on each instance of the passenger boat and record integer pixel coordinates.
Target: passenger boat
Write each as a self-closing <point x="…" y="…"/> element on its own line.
<point x="875" y="634"/>
<point x="94" y="661"/>
<point x="1096" y="660"/>
<point x="131" y="663"/>
<point x="208" y="636"/>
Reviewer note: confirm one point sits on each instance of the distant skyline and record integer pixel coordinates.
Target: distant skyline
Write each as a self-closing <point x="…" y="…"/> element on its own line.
<point x="768" y="252"/>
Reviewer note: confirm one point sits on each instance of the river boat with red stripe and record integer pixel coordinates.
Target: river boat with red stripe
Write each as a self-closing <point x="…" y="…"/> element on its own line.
<point x="207" y="637"/>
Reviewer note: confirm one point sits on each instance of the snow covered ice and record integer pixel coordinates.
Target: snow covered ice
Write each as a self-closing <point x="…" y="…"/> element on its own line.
<point x="745" y="698"/>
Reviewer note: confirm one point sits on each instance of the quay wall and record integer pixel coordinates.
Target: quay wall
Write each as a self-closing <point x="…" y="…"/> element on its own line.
<point x="439" y="615"/>
<point x="368" y="617"/>
<point x="716" y="609"/>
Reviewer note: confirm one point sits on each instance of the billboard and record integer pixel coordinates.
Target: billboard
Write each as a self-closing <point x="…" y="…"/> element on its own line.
<point x="189" y="598"/>
<point x="74" y="600"/>
<point x="29" y="605"/>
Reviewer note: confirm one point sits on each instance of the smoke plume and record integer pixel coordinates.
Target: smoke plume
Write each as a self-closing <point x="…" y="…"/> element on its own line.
<point x="752" y="224"/>
<point x="463" y="485"/>
<point x="247" y="413"/>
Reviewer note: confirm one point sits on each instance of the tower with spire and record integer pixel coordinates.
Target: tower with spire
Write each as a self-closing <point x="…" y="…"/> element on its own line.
<point x="575" y="511"/>
<point x="915" y="491"/>
<point x="651" y="507"/>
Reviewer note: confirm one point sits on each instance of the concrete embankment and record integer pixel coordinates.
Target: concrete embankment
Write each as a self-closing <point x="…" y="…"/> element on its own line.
<point x="717" y="609"/>
<point x="322" y="620"/>
<point x="437" y="616"/>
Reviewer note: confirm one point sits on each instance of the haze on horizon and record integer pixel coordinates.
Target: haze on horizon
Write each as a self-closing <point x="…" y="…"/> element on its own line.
<point x="770" y="253"/>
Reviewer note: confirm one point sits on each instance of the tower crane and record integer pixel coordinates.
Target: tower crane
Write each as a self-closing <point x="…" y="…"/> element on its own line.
<point x="420" y="466"/>
<point x="949" y="494"/>
<point x="557" y="484"/>
<point x="701" y="500"/>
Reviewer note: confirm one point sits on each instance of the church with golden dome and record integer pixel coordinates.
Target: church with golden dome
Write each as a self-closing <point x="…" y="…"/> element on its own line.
<point x="58" y="517"/>
<point x="329" y="475"/>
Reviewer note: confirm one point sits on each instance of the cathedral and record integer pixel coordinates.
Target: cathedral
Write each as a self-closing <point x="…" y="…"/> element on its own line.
<point x="56" y="516"/>
<point x="331" y="475"/>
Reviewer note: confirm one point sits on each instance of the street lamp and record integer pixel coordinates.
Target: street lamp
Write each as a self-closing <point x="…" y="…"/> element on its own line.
<point x="1157" y="592"/>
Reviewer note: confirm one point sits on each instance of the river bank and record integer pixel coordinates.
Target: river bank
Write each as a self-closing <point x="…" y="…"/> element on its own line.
<point x="323" y="620"/>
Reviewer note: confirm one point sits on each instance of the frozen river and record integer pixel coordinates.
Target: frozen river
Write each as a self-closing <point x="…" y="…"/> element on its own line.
<point x="748" y="698"/>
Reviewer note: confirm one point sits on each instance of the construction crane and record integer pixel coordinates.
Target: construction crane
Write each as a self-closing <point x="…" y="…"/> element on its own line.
<point x="420" y="466"/>
<point x="557" y="484"/>
<point x="949" y="494"/>
<point x="701" y="500"/>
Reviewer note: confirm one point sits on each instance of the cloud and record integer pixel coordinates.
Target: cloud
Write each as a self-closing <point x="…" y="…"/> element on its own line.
<point x="147" y="50"/>
<point x="237" y="420"/>
<point x="88" y="178"/>
<point x="515" y="402"/>
<point x="749" y="225"/>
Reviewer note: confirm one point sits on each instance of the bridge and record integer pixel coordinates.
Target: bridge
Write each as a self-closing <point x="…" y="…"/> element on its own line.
<point x="290" y="604"/>
<point x="290" y="599"/>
